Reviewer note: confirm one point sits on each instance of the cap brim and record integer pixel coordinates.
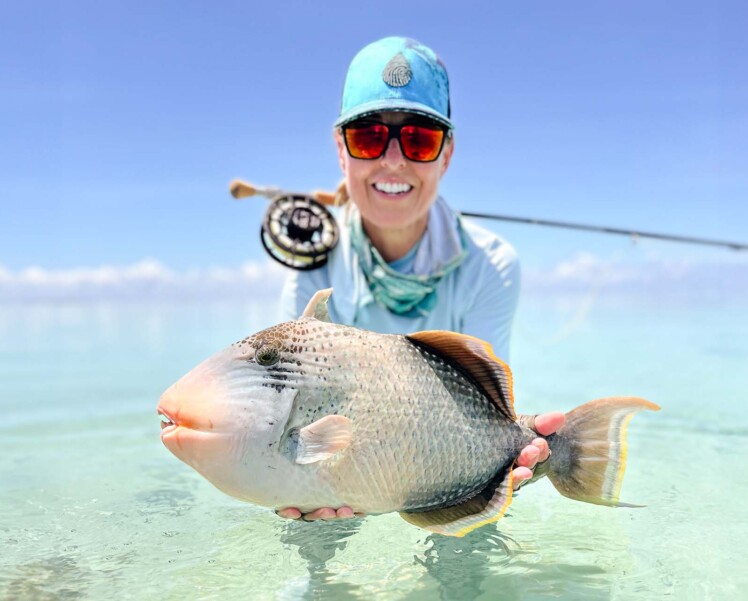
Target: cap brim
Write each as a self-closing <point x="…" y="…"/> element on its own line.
<point x="394" y="105"/>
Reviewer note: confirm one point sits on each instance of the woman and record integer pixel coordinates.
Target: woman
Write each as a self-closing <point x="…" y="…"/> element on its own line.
<point x="405" y="261"/>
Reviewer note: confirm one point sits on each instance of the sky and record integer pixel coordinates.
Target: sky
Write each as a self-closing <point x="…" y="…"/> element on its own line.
<point x="122" y="124"/>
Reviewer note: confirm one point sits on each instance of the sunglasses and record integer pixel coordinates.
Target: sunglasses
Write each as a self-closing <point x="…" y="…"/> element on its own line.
<point x="420" y="143"/>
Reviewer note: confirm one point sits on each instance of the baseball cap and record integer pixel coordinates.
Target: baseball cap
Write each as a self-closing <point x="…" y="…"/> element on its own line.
<point x="396" y="74"/>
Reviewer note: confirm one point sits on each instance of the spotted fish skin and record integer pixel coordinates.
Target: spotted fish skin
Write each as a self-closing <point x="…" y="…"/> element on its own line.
<point x="424" y="435"/>
<point x="311" y="414"/>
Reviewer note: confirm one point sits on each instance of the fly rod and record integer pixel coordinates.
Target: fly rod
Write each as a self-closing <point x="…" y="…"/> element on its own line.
<point x="240" y="189"/>
<point x="609" y="230"/>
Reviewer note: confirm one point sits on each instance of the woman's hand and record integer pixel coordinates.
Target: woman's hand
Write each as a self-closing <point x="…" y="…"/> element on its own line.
<point x="536" y="452"/>
<point x="324" y="513"/>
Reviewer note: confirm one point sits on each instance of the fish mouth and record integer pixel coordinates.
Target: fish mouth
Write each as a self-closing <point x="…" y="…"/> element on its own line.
<point x="172" y="429"/>
<point x="180" y="420"/>
<point x="177" y="412"/>
<point x="179" y="432"/>
<point x="168" y="423"/>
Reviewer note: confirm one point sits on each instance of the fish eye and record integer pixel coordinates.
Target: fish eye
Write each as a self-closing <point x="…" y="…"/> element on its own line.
<point x="267" y="356"/>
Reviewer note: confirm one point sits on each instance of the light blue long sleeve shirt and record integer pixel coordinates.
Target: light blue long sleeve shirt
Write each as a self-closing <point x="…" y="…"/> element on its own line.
<point x="478" y="298"/>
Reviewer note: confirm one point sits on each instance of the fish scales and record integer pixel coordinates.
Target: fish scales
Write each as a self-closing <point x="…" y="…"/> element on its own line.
<point x="424" y="435"/>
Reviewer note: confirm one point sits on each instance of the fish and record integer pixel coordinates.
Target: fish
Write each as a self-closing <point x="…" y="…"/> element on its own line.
<point x="310" y="413"/>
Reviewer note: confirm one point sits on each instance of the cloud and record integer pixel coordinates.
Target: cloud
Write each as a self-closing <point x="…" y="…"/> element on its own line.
<point x="579" y="274"/>
<point x="147" y="279"/>
<point x="649" y="276"/>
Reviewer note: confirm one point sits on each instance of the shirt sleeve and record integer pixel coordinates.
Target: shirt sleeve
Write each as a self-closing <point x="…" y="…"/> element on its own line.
<point x="491" y="311"/>
<point x="297" y="291"/>
<point x="289" y="299"/>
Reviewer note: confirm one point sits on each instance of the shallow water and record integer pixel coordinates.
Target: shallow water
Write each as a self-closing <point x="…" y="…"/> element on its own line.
<point x="92" y="505"/>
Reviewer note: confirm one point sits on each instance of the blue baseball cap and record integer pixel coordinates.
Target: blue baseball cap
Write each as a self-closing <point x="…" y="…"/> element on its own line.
<point x="396" y="74"/>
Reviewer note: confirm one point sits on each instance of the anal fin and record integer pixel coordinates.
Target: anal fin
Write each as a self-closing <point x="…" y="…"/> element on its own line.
<point x="458" y="520"/>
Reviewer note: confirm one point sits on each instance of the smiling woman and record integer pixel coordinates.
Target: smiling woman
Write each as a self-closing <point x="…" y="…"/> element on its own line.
<point x="405" y="261"/>
<point x="393" y="192"/>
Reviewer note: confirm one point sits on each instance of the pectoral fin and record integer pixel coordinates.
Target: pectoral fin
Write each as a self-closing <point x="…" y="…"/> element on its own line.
<point x="322" y="439"/>
<point x="487" y="506"/>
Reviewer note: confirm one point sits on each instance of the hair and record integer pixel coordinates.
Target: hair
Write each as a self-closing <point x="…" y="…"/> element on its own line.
<point x="341" y="195"/>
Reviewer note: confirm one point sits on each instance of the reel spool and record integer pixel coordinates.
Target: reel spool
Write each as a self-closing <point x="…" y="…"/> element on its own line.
<point x="298" y="231"/>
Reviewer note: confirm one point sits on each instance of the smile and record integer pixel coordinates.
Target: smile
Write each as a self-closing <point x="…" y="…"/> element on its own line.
<point x="392" y="188"/>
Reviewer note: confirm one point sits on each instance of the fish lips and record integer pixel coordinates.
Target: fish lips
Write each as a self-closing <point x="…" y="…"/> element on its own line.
<point x="173" y="417"/>
<point x="194" y="441"/>
<point x="185" y="420"/>
<point x="176" y="431"/>
<point x="196" y="401"/>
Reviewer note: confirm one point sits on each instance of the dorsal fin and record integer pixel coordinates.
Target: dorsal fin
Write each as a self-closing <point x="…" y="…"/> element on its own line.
<point x="477" y="358"/>
<point x="317" y="305"/>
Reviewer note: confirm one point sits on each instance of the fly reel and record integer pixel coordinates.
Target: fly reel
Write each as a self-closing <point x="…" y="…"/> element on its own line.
<point x="298" y="231"/>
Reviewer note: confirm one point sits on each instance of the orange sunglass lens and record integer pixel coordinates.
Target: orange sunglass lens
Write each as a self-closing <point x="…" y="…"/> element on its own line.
<point x="421" y="143"/>
<point x="367" y="142"/>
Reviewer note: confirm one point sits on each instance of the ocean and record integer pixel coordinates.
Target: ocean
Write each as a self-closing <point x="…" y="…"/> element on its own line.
<point x="92" y="506"/>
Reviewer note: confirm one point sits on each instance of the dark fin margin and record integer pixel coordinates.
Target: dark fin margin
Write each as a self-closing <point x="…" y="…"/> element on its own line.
<point x="459" y="520"/>
<point x="477" y="359"/>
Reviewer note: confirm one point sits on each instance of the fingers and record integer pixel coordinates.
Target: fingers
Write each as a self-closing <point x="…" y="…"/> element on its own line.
<point x="323" y="513"/>
<point x="544" y="451"/>
<point x="529" y="456"/>
<point x="548" y="423"/>
<point x="290" y="513"/>
<point x="344" y="513"/>
<point x="520" y="475"/>
<point x="533" y="454"/>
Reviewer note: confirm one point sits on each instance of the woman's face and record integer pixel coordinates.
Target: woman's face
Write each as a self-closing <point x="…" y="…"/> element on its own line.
<point x="393" y="192"/>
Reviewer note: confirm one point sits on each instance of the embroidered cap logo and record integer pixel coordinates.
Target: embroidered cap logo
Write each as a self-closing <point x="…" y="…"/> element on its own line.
<point x="397" y="72"/>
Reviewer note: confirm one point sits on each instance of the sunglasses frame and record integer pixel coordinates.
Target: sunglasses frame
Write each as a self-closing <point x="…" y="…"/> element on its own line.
<point x="393" y="131"/>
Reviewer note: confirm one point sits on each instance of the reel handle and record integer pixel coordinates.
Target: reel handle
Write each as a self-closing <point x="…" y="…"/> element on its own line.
<point x="325" y="198"/>
<point x="240" y="189"/>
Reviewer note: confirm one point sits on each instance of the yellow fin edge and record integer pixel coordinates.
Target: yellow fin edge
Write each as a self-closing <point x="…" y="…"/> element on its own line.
<point x="493" y="518"/>
<point x="622" y="457"/>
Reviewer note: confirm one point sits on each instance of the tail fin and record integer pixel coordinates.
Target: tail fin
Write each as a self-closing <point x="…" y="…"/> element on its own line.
<point x="588" y="455"/>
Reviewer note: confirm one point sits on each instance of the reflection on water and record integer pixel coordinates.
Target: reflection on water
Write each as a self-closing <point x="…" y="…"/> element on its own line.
<point x="486" y="564"/>
<point x="317" y="543"/>
<point x="460" y="565"/>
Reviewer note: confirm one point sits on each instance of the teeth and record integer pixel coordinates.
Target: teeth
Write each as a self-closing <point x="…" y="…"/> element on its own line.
<point x="390" y="188"/>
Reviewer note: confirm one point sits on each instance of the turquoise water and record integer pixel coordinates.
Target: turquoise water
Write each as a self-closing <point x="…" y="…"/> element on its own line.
<point x="92" y="506"/>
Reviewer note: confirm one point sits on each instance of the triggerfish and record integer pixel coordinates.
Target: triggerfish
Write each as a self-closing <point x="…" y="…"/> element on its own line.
<point x="312" y="414"/>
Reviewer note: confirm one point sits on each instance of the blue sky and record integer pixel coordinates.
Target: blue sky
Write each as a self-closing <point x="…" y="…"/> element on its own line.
<point x="123" y="122"/>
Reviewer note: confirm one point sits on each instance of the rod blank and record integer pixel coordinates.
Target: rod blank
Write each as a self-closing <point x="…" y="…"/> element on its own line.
<point x="610" y="230"/>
